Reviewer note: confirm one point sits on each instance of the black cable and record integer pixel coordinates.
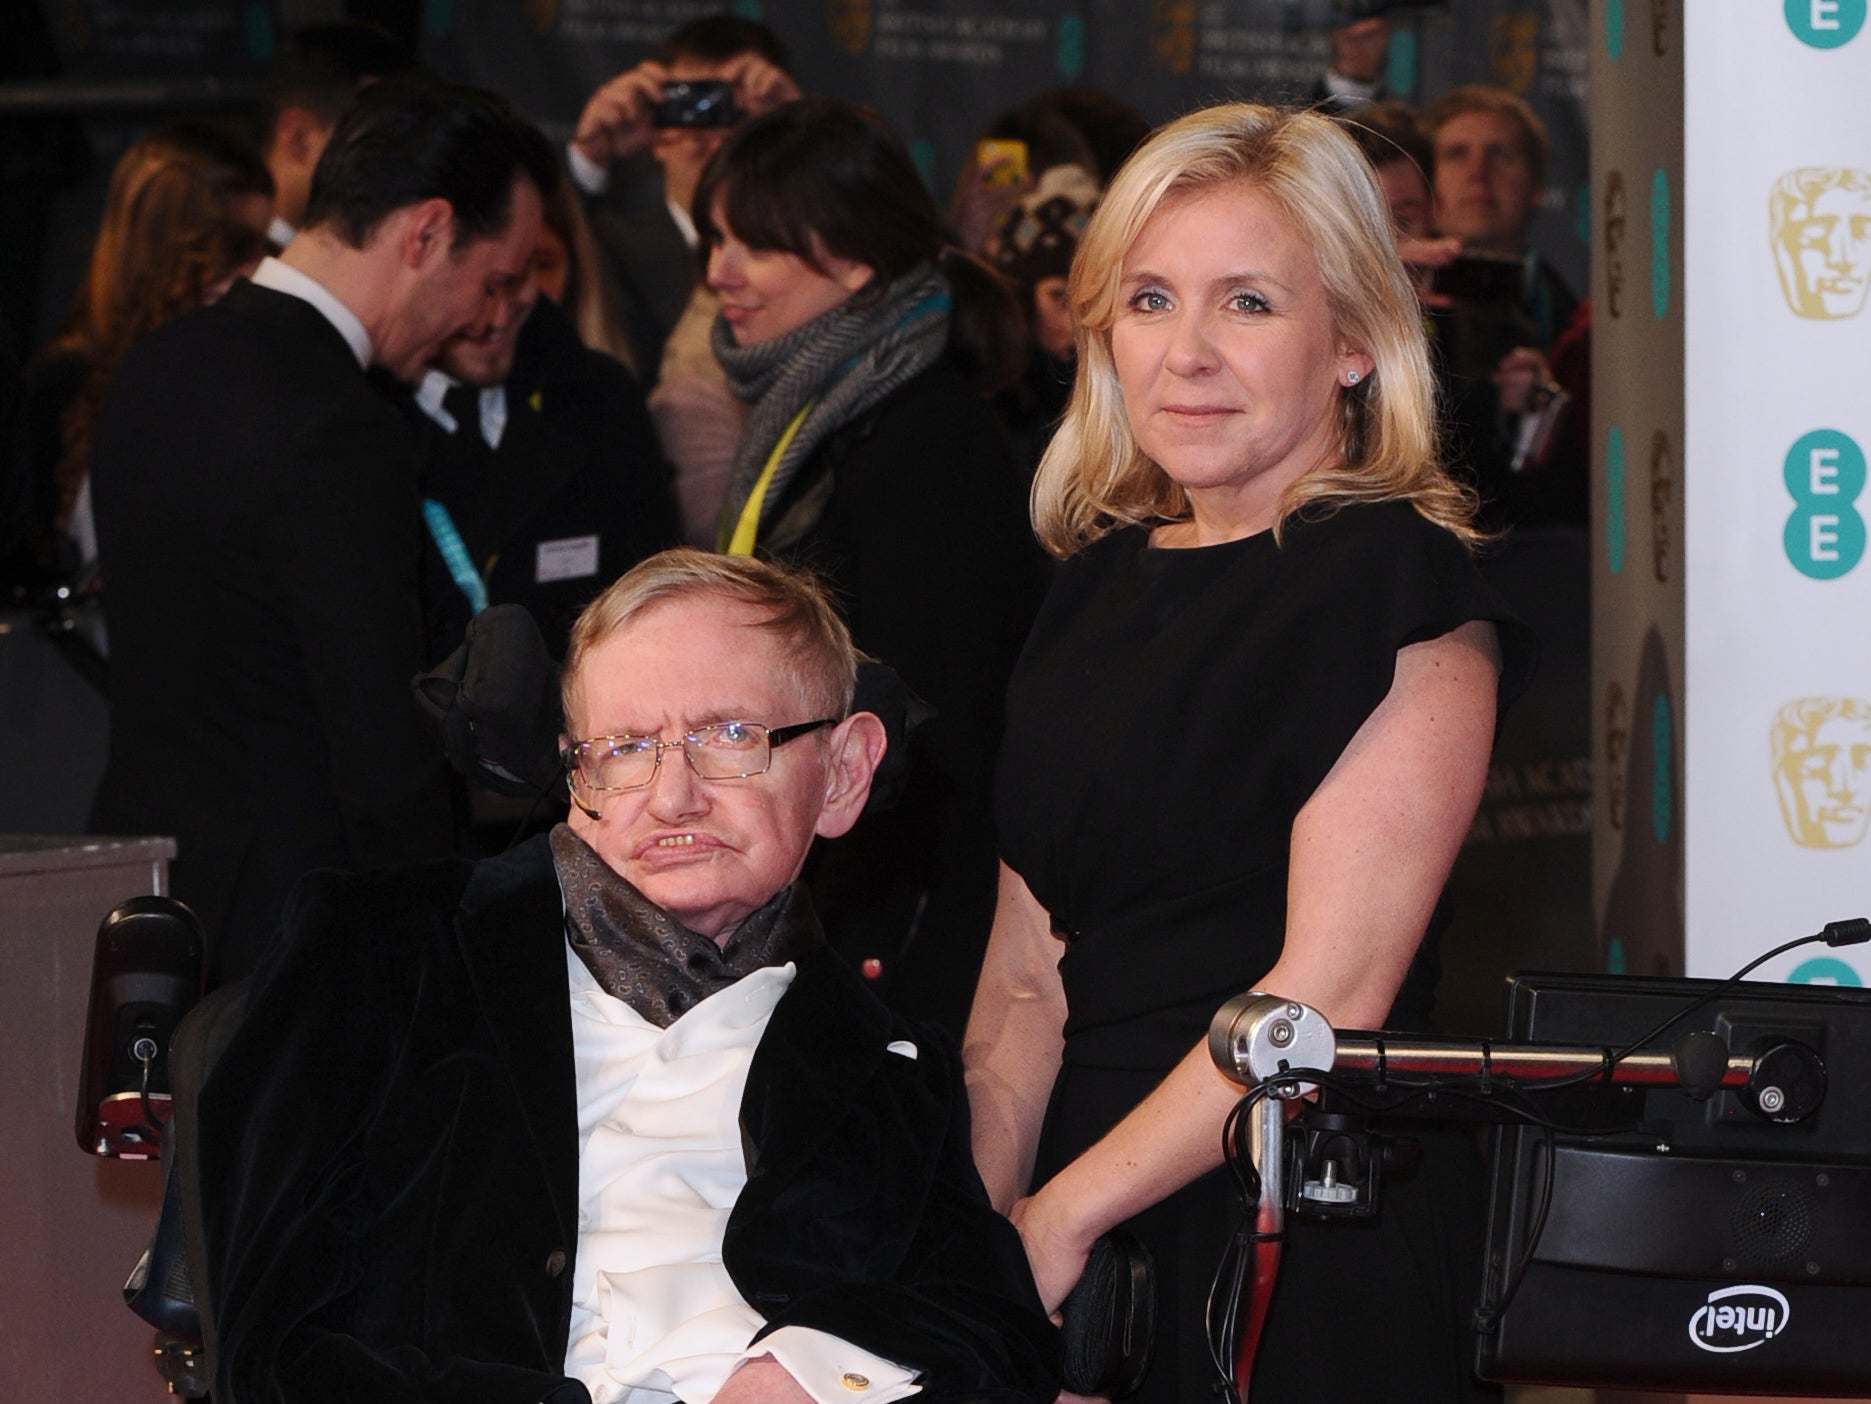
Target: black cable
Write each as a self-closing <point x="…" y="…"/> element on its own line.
<point x="1228" y="1288"/>
<point x="147" y="1057"/>
<point x="1849" y="931"/>
<point x="1487" y="1318"/>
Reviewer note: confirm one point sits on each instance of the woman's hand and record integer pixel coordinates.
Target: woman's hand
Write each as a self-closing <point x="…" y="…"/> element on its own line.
<point x="1055" y="1250"/>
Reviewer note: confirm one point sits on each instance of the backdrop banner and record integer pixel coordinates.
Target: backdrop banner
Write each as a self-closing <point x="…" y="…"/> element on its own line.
<point x="1777" y="262"/>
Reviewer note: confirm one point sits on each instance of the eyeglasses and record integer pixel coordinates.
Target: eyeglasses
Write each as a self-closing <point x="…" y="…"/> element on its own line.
<point x="729" y="750"/>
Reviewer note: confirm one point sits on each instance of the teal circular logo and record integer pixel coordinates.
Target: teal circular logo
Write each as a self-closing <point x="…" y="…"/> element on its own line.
<point x="1825" y="970"/>
<point x="1825" y="24"/>
<point x="1824" y="474"/>
<point x="1614" y="29"/>
<point x="1614" y="957"/>
<point x="1400" y="62"/>
<point x="1660" y="744"/>
<point x="1614" y="500"/>
<point x="1660" y="243"/>
<point x="1069" y="50"/>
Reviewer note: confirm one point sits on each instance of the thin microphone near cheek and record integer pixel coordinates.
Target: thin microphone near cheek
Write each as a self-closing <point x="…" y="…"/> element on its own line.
<point x="572" y="790"/>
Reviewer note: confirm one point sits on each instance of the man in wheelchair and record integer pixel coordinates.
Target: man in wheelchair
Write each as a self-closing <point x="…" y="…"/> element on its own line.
<point x="604" y="1117"/>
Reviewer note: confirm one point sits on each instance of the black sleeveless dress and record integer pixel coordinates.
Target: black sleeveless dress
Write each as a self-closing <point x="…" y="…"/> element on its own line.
<point x="1172" y="712"/>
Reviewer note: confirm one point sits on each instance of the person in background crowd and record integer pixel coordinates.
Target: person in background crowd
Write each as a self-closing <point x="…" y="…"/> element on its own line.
<point x="1489" y="149"/>
<point x="184" y="215"/>
<point x="1390" y="135"/>
<point x="1354" y="74"/>
<point x="571" y="274"/>
<point x="642" y="218"/>
<point x="603" y="1119"/>
<point x="868" y="454"/>
<point x="1031" y="139"/>
<point x="1033" y="248"/>
<point x="310" y="83"/>
<point x="639" y="161"/>
<point x="1244" y="742"/>
<point x="258" y="521"/>
<point x="1073" y="126"/>
<point x="542" y="481"/>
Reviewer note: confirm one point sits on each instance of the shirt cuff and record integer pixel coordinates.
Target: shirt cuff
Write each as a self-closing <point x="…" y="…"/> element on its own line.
<point x="832" y="1370"/>
<point x="587" y="174"/>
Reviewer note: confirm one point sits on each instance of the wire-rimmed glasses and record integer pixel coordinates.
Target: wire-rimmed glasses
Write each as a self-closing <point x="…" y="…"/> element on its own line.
<point x="727" y="750"/>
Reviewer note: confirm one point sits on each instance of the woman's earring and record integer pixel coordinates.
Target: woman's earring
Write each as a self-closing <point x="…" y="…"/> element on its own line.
<point x="1351" y="377"/>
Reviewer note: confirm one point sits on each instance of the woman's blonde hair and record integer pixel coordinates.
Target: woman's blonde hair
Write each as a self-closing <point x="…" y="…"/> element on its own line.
<point x="1095" y="477"/>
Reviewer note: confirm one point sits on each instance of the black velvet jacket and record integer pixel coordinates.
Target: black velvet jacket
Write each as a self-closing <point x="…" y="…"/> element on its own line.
<point x="389" y="1155"/>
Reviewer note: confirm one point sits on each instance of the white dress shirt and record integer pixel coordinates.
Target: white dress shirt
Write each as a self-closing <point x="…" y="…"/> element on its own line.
<point x="655" y="1316"/>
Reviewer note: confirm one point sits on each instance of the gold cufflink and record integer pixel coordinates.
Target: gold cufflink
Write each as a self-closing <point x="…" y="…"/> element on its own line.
<point x="853" y="1380"/>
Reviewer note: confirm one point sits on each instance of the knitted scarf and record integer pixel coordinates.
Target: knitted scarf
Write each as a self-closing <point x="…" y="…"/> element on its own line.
<point x="840" y="363"/>
<point x="652" y="962"/>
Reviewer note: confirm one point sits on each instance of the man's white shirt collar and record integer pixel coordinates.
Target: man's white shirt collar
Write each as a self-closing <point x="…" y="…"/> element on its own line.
<point x="434" y="388"/>
<point x="284" y="278"/>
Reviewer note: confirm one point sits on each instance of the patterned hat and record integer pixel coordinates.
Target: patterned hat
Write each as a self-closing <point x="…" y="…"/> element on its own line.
<point x="1037" y="237"/>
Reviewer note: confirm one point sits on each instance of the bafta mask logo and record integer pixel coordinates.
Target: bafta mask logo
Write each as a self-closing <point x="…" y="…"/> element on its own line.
<point x="1820" y="218"/>
<point x="1614" y="243"/>
<point x="1172" y="35"/>
<point x="1514" y="51"/>
<point x="1822" y="770"/>
<point x="850" y="25"/>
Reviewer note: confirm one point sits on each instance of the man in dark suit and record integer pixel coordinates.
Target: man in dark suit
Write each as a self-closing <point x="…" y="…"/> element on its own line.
<point x="257" y="518"/>
<point x="604" y="1119"/>
<point x="539" y="459"/>
<point x="641" y="170"/>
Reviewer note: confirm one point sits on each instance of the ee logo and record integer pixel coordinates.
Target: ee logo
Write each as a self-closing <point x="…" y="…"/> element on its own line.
<point x="1826" y="971"/>
<point x="1825" y="24"/>
<point x="1825" y="535"/>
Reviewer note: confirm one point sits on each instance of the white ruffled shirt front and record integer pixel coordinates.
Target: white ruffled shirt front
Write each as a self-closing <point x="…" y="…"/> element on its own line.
<point x="655" y="1316"/>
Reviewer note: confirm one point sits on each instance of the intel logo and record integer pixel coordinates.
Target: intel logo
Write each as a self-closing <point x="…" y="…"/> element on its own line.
<point x="1738" y="1318"/>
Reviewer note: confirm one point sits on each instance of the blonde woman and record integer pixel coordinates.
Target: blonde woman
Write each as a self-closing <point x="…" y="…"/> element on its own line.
<point x="1245" y="739"/>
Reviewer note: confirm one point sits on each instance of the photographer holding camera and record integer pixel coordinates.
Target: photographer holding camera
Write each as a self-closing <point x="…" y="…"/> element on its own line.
<point x="640" y="146"/>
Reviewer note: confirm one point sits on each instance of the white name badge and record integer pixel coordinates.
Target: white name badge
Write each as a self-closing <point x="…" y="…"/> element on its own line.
<point x="573" y="558"/>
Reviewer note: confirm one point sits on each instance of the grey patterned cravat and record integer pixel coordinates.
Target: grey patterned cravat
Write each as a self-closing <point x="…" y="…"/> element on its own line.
<point x="642" y="955"/>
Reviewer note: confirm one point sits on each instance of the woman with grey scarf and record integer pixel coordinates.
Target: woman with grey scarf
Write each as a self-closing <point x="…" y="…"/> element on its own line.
<point x="869" y="456"/>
